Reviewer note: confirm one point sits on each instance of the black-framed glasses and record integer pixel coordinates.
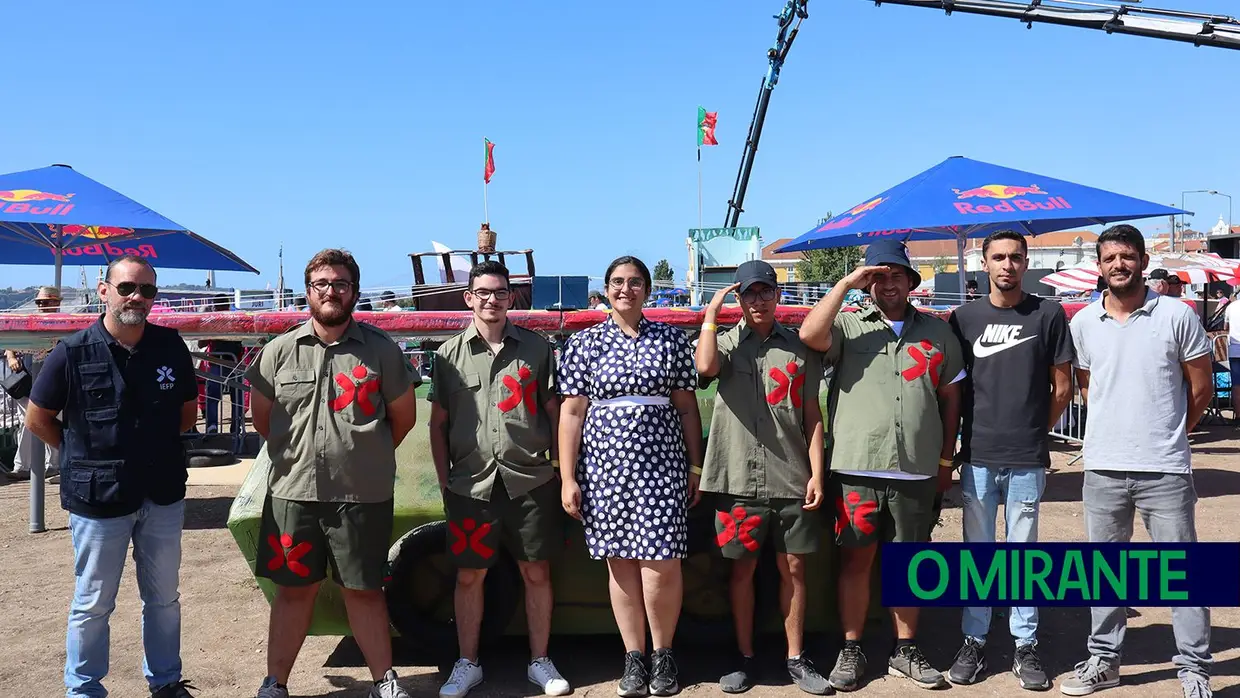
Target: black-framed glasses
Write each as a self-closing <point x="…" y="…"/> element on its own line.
<point x="126" y="288"/>
<point x="339" y="286"/>
<point x="766" y="293"/>
<point x="499" y="294"/>
<point x="635" y="284"/>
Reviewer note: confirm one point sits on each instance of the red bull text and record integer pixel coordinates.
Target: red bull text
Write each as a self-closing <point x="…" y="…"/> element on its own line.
<point x="1009" y="199"/>
<point x="27" y="201"/>
<point x="111" y="251"/>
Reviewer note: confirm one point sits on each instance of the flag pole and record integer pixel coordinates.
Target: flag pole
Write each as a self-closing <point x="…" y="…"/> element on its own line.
<point x="486" y="211"/>
<point x="699" y="163"/>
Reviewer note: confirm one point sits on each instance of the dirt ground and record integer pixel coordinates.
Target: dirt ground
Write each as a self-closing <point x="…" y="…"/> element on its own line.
<point x="225" y="616"/>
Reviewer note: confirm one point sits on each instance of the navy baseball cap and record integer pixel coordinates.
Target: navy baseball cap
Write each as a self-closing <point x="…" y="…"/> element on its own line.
<point x="753" y="272"/>
<point x="891" y="252"/>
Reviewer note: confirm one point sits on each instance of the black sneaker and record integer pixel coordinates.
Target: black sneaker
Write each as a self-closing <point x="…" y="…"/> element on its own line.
<point x="742" y="679"/>
<point x="910" y="663"/>
<point x="970" y="663"/>
<point x="1027" y="667"/>
<point x="633" y="680"/>
<point x="849" y="668"/>
<point x="807" y="678"/>
<point x="180" y="689"/>
<point x="663" y="673"/>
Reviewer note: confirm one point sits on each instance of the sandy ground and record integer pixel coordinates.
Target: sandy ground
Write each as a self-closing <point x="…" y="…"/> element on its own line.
<point x="225" y="617"/>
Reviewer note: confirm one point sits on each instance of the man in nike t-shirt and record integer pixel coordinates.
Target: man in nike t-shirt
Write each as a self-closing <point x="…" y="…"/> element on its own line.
<point x="1018" y="354"/>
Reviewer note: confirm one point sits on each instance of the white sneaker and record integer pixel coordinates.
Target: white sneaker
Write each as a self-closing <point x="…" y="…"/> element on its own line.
<point x="542" y="673"/>
<point x="465" y="675"/>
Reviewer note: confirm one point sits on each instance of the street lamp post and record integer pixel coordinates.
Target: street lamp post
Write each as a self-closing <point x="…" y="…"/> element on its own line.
<point x="1211" y="192"/>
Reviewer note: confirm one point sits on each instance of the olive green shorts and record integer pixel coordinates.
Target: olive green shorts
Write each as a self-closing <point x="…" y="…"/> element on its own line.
<point x="298" y="541"/>
<point x="871" y="509"/>
<point x="742" y="526"/>
<point x="531" y="526"/>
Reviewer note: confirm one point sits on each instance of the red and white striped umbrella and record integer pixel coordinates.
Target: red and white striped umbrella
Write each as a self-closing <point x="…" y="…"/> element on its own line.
<point x="1191" y="267"/>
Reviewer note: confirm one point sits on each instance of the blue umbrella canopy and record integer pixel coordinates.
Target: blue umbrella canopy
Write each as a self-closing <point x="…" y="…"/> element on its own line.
<point x="53" y="214"/>
<point x="962" y="198"/>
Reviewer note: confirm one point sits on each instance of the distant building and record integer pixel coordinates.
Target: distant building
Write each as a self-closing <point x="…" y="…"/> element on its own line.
<point x="714" y="255"/>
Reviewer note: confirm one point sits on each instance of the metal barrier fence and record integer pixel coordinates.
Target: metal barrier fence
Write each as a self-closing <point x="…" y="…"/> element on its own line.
<point x="1071" y="425"/>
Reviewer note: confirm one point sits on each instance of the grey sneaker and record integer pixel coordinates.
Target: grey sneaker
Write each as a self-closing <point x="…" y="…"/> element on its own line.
<point x="849" y="668"/>
<point x="1091" y="675"/>
<point x="1196" y="688"/>
<point x="970" y="663"/>
<point x="269" y="689"/>
<point x="910" y="663"/>
<point x="807" y="678"/>
<point x="388" y="688"/>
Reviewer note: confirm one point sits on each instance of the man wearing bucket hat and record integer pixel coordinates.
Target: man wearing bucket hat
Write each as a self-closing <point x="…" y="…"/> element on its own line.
<point x="893" y="438"/>
<point x="764" y="462"/>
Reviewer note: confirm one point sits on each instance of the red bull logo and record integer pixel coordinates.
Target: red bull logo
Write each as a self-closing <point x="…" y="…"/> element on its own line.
<point x="851" y="216"/>
<point x="27" y="200"/>
<point x="94" y="232"/>
<point x="1010" y="199"/>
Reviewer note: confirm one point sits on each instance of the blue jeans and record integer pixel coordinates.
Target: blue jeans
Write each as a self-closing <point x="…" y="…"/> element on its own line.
<point x="1019" y="490"/>
<point x="99" y="547"/>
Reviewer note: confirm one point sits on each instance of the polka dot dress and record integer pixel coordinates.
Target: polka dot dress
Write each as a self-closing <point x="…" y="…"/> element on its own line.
<point x="631" y="466"/>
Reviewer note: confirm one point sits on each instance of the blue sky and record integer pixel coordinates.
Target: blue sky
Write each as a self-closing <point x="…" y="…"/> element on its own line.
<point x="315" y="124"/>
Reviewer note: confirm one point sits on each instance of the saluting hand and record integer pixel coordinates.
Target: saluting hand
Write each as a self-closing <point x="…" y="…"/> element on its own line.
<point x="861" y="277"/>
<point x="720" y="296"/>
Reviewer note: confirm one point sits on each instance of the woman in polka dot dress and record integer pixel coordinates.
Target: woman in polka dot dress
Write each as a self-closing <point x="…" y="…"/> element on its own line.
<point x="630" y="414"/>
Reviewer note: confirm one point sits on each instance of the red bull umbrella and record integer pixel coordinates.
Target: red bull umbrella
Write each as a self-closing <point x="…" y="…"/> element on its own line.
<point x="56" y="214"/>
<point x="962" y="198"/>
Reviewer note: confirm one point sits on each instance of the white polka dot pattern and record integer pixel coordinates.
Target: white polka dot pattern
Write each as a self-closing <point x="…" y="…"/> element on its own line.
<point x="631" y="466"/>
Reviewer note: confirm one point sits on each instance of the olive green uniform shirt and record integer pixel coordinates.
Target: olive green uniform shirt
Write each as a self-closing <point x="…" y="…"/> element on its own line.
<point x="883" y="404"/>
<point x="757" y="445"/>
<point x="497" y="423"/>
<point x="330" y="439"/>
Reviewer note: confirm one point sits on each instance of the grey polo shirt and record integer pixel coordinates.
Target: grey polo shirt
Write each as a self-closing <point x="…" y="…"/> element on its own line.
<point x="1138" y="395"/>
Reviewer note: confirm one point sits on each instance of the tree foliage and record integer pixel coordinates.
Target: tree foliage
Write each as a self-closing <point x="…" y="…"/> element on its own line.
<point x="663" y="271"/>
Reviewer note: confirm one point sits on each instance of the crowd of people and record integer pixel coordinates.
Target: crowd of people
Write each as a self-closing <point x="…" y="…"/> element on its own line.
<point x="609" y="434"/>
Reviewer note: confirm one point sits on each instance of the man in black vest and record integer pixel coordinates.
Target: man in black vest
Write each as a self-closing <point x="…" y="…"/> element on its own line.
<point x="125" y="391"/>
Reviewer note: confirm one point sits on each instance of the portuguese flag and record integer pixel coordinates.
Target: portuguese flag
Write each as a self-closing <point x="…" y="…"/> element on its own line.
<point x="706" y="127"/>
<point x="489" y="168"/>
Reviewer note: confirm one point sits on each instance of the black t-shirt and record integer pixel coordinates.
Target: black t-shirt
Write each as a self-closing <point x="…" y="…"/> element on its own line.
<point x="1009" y="353"/>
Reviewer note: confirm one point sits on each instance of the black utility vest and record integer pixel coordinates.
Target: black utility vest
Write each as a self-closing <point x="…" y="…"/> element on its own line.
<point x="117" y="451"/>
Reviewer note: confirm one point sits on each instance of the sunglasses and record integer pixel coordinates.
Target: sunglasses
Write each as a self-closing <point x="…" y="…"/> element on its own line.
<point x="126" y="288"/>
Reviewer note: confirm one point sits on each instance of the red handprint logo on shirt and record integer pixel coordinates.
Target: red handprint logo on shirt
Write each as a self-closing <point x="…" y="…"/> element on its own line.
<point x="738" y="525"/>
<point x="859" y="515"/>
<point x="787" y="385"/>
<point x="519" y="390"/>
<point x="469" y="534"/>
<point x="285" y="554"/>
<point x="351" y="391"/>
<point x="923" y="363"/>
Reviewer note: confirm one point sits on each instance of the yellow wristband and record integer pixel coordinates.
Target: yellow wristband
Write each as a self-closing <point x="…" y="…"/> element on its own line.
<point x="709" y="327"/>
<point x="945" y="463"/>
<point x="695" y="470"/>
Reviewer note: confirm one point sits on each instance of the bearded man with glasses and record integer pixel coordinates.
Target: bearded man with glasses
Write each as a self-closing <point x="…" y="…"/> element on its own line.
<point x="124" y="390"/>
<point x="333" y="398"/>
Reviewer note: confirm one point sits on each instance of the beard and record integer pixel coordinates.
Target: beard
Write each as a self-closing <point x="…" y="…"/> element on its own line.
<point x="890" y="306"/>
<point x="1125" y="287"/>
<point x="332" y="313"/>
<point x="130" y="314"/>
<point x="1006" y="285"/>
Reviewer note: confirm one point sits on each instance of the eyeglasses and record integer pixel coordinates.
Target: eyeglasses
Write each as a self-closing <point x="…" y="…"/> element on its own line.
<point x="126" y="288"/>
<point x="766" y="293"/>
<point x="635" y="284"/>
<point x="499" y="294"/>
<point x="340" y="287"/>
